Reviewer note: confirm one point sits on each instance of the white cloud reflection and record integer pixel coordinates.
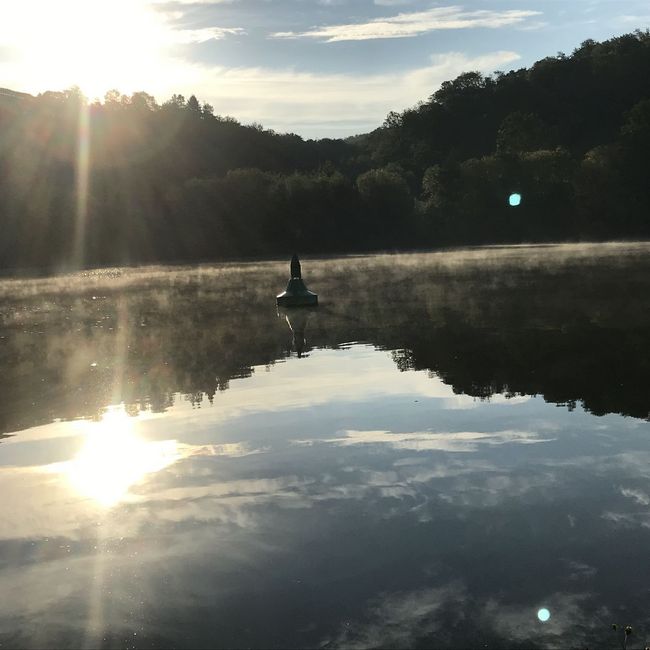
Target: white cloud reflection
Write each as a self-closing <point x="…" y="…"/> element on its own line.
<point x="459" y="441"/>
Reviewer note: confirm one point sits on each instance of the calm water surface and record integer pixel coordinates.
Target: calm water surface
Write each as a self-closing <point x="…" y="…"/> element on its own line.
<point x="448" y="444"/>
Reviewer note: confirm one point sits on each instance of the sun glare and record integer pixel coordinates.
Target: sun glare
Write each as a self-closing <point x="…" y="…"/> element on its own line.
<point x="114" y="457"/>
<point x="95" y="44"/>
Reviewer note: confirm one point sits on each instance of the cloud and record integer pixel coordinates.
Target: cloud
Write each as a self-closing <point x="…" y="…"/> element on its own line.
<point x="392" y="3"/>
<point x="405" y="25"/>
<point x="171" y="3"/>
<point x="533" y="26"/>
<point x="637" y="20"/>
<point x="318" y="105"/>
<point x="187" y="36"/>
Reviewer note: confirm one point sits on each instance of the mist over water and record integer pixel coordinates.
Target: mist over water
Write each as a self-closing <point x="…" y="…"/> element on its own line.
<point x="451" y="451"/>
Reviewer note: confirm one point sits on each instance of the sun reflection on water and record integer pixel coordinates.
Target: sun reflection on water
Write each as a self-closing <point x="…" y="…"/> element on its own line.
<point x="114" y="458"/>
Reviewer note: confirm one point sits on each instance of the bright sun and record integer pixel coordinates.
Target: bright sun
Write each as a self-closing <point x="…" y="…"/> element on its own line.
<point x="114" y="457"/>
<point x="95" y="44"/>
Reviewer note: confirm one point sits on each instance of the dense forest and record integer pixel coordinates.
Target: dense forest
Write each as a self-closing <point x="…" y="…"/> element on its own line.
<point x="128" y="180"/>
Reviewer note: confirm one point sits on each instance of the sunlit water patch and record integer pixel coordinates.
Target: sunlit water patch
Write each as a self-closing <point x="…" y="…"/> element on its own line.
<point x="113" y="458"/>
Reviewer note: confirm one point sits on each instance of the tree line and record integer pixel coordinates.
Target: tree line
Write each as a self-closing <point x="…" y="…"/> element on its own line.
<point x="128" y="180"/>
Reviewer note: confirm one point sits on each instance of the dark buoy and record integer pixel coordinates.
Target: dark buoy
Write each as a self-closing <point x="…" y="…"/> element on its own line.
<point x="296" y="293"/>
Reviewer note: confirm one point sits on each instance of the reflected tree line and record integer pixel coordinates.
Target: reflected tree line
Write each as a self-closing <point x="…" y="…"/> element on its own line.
<point x="574" y="331"/>
<point x="128" y="180"/>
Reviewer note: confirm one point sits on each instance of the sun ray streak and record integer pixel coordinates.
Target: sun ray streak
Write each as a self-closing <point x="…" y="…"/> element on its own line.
<point x="121" y="351"/>
<point x="82" y="182"/>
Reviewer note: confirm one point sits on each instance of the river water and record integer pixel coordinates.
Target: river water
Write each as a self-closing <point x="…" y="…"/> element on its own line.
<point x="449" y="449"/>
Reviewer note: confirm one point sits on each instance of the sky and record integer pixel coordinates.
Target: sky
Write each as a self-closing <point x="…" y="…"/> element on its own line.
<point x="318" y="68"/>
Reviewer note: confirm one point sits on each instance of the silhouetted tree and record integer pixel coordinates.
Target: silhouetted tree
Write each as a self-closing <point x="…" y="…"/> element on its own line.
<point x="193" y="105"/>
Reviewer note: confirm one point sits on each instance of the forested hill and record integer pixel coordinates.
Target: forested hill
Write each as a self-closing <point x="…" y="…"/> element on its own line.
<point x="128" y="181"/>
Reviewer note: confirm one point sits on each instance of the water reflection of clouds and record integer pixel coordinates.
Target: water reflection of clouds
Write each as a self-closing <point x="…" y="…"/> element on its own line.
<point x="400" y="620"/>
<point x="223" y="503"/>
<point x="449" y="615"/>
<point x="205" y="486"/>
<point x="459" y="441"/>
<point x="627" y="520"/>
<point x="641" y="498"/>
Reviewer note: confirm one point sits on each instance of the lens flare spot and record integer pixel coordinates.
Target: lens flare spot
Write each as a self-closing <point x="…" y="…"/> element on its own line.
<point x="514" y="199"/>
<point x="543" y="615"/>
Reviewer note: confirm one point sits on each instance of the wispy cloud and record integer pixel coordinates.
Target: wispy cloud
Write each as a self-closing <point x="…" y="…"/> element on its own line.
<point x="637" y="20"/>
<point x="190" y="2"/>
<point x="533" y="25"/>
<point x="392" y="3"/>
<point x="187" y="36"/>
<point x="405" y="25"/>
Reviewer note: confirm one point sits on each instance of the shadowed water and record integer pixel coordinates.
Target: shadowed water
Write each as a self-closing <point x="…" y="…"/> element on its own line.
<point x="448" y="445"/>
